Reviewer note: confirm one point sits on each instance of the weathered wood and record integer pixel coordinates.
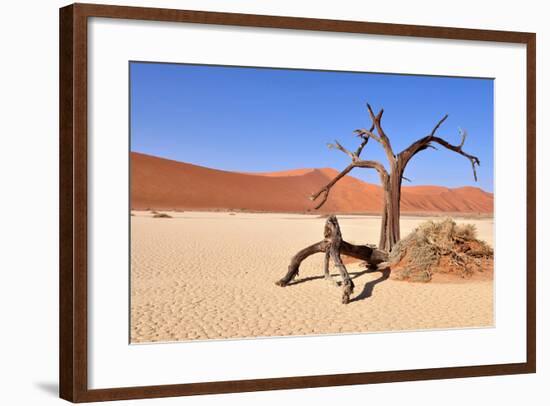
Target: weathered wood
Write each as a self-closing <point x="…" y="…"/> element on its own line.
<point x="334" y="246"/>
<point x="391" y="181"/>
<point x="300" y="256"/>
<point x="326" y="265"/>
<point x="334" y="235"/>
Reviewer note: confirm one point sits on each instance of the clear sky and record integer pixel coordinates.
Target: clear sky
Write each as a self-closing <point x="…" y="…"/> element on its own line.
<point x="261" y="120"/>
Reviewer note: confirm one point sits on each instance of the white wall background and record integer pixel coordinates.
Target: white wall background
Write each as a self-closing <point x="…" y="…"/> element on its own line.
<point x="29" y="190"/>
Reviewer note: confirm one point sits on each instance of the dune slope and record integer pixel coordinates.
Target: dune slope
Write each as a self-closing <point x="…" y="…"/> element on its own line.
<point x="164" y="184"/>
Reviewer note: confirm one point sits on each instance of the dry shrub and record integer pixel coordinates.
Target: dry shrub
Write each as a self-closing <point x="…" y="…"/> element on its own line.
<point x="439" y="247"/>
<point x="158" y="215"/>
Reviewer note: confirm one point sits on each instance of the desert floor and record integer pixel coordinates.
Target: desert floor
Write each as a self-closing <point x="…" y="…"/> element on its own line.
<point x="210" y="275"/>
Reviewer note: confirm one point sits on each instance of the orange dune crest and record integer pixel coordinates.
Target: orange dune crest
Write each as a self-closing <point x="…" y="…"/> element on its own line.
<point x="158" y="183"/>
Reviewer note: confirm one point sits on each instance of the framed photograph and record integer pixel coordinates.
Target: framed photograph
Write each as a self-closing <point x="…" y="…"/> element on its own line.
<point x="255" y="202"/>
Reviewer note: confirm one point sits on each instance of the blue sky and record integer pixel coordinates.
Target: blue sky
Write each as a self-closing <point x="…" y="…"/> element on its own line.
<point x="259" y="120"/>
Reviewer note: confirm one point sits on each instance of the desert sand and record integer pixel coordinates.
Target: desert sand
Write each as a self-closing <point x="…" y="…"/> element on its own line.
<point x="210" y="275"/>
<point x="159" y="183"/>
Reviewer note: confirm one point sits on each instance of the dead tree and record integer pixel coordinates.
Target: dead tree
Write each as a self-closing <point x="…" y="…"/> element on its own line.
<point x="334" y="246"/>
<point x="390" y="180"/>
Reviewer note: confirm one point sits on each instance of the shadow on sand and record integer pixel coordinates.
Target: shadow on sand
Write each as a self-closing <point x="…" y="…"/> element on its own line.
<point x="352" y="275"/>
<point x="367" y="289"/>
<point x="369" y="286"/>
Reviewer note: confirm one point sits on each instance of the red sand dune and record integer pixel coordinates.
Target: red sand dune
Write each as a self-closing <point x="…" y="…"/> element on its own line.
<point x="159" y="183"/>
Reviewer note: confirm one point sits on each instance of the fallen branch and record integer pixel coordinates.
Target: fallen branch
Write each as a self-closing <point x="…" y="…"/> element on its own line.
<point x="334" y="246"/>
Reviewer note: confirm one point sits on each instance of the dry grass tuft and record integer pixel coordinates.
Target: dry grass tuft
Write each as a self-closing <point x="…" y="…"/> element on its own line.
<point x="440" y="247"/>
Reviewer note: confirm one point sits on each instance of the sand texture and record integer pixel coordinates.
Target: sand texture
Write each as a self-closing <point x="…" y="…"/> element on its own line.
<point x="164" y="184"/>
<point x="205" y="275"/>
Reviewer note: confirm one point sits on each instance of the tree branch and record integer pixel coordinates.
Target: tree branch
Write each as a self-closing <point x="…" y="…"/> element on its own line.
<point x="339" y="146"/>
<point x="427" y="141"/>
<point x="463" y="133"/>
<point x="361" y="146"/>
<point x="356" y="162"/>
<point x="438" y="125"/>
<point x="367" y="134"/>
<point x="326" y="189"/>
<point x="383" y="138"/>
<point x="458" y="149"/>
<point x="324" y="192"/>
<point x="363" y="133"/>
<point x="373" y="165"/>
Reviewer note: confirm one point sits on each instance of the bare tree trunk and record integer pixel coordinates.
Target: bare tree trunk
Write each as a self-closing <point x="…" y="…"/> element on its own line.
<point x="390" y="232"/>
<point x="395" y="204"/>
<point x="334" y="246"/>
<point x="389" y="228"/>
<point x="383" y="242"/>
